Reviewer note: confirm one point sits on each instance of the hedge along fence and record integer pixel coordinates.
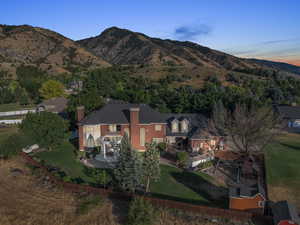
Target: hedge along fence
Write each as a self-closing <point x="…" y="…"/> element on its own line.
<point x="210" y="211"/>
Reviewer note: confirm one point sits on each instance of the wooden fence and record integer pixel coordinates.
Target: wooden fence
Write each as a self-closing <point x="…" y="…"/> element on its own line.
<point x="210" y="211"/>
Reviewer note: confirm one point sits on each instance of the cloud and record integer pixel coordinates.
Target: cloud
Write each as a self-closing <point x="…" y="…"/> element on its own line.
<point x="192" y="32"/>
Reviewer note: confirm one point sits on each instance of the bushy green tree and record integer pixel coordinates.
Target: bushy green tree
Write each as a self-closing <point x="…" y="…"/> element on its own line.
<point x="14" y="144"/>
<point x="128" y="171"/>
<point x="151" y="169"/>
<point x="47" y="129"/>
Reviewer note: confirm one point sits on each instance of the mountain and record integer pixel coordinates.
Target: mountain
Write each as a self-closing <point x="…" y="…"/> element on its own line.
<point x="278" y="65"/>
<point x="121" y="46"/>
<point x="44" y="48"/>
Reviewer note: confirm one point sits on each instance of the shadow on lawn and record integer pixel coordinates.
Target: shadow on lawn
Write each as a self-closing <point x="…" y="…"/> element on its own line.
<point x="216" y="195"/>
<point x="291" y="146"/>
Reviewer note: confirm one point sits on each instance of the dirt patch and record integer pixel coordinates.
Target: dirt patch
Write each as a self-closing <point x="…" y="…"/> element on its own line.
<point x="280" y="193"/>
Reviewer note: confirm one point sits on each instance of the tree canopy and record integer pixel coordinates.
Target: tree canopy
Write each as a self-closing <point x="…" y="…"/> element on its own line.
<point x="51" y="89"/>
<point x="45" y="128"/>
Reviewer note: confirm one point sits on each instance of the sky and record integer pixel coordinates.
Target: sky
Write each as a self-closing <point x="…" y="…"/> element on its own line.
<point x="265" y="29"/>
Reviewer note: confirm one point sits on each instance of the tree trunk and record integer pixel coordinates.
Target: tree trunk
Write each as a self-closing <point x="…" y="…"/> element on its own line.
<point x="148" y="185"/>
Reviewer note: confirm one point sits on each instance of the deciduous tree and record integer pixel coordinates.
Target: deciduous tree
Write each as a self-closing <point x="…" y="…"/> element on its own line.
<point x="51" y="89"/>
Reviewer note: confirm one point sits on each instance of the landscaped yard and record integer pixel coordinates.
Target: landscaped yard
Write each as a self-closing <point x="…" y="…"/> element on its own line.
<point x="174" y="183"/>
<point x="194" y="187"/>
<point x="65" y="159"/>
<point x="283" y="169"/>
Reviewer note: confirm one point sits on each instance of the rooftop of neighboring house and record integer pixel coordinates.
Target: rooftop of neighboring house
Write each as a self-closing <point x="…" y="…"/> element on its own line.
<point x="284" y="210"/>
<point x="289" y="112"/>
<point x="118" y="112"/>
<point x="55" y="105"/>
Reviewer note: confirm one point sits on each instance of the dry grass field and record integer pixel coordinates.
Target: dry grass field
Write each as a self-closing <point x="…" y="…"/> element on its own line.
<point x="24" y="200"/>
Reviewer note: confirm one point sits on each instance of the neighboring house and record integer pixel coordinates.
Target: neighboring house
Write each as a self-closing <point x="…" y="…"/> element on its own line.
<point x="290" y="115"/>
<point x="285" y="213"/>
<point x="55" y="105"/>
<point x="142" y="124"/>
<point x="248" y="192"/>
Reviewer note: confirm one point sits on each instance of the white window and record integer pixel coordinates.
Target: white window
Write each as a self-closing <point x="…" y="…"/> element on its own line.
<point x="92" y="130"/>
<point x="184" y="126"/>
<point x="158" y="140"/>
<point x="142" y="137"/>
<point x="175" y="126"/>
<point x="112" y="128"/>
<point x="157" y="127"/>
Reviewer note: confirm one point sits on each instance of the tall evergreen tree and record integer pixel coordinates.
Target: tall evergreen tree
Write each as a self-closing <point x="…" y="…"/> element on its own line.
<point x="128" y="171"/>
<point x="151" y="169"/>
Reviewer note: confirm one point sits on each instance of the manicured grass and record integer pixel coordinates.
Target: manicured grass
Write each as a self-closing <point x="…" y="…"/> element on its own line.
<point x="191" y="187"/>
<point x="283" y="168"/>
<point x="13" y="107"/>
<point x="174" y="184"/>
<point x="64" y="158"/>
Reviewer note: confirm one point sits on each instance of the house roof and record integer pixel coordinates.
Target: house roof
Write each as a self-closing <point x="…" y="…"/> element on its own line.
<point x="196" y="122"/>
<point x="289" y="112"/>
<point x="55" y="105"/>
<point x="117" y="112"/>
<point x="284" y="210"/>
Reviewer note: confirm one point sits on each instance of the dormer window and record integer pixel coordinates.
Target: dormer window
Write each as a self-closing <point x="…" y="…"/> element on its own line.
<point x="184" y="125"/>
<point x="174" y="125"/>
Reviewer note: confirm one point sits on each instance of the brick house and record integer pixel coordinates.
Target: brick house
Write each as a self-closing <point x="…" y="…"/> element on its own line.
<point x="142" y="125"/>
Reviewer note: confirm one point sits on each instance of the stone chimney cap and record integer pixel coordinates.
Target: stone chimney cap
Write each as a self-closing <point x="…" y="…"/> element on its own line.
<point x="135" y="109"/>
<point x="80" y="107"/>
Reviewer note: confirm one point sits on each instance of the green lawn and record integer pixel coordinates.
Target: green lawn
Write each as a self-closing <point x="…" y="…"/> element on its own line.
<point x="13" y="107"/>
<point x="65" y="159"/>
<point x="283" y="168"/>
<point x="192" y="187"/>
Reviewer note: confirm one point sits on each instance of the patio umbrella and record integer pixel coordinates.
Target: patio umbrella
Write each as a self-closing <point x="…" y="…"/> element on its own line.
<point x="90" y="143"/>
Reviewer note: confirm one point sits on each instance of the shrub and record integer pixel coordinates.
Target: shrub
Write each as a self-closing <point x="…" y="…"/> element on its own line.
<point x="141" y="212"/>
<point x="14" y="144"/>
<point x="162" y="147"/>
<point x="204" y="165"/>
<point x="182" y="158"/>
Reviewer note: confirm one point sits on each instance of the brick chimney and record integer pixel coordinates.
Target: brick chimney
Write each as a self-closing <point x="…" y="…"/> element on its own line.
<point x="134" y="129"/>
<point x="80" y="113"/>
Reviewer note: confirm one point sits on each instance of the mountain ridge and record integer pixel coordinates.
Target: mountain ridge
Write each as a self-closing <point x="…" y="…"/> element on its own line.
<point x="47" y="49"/>
<point x="55" y="53"/>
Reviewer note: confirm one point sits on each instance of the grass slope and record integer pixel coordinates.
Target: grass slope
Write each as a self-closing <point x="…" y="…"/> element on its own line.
<point x="64" y="158"/>
<point x="283" y="168"/>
